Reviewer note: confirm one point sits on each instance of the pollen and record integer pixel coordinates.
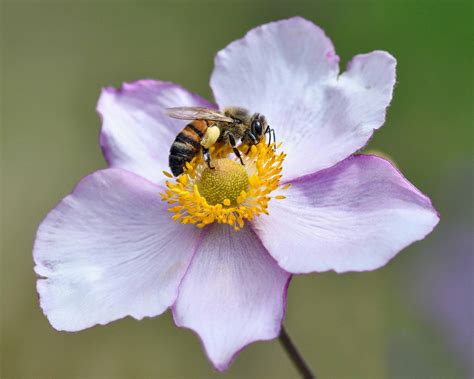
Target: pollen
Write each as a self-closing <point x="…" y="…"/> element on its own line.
<point x="229" y="193"/>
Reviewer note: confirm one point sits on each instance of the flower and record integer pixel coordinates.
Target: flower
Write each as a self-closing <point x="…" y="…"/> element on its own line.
<point x="112" y="247"/>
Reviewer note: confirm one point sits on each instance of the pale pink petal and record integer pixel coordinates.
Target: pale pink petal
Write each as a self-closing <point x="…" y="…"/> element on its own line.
<point x="288" y="71"/>
<point x="354" y="216"/>
<point x="136" y="134"/>
<point x="109" y="250"/>
<point x="233" y="293"/>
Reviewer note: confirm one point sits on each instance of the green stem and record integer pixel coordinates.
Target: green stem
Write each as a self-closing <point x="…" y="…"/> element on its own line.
<point x="295" y="355"/>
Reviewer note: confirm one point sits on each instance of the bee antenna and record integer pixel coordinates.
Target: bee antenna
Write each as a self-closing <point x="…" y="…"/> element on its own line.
<point x="271" y="133"/>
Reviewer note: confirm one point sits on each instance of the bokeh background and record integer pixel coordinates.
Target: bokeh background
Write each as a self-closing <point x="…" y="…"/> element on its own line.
<point x="410" y="319"/>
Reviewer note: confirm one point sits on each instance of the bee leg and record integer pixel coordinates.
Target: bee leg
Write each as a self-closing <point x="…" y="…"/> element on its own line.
<point x="253" y="141"/>
<point x="207" y="157"/>
<point x="253" y="138"/>
<point x="236" y="151"/>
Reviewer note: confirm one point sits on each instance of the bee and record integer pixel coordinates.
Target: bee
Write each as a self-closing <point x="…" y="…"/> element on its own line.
<point x="209" y="126"/>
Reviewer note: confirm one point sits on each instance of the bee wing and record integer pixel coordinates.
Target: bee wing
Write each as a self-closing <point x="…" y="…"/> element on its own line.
<point x="197" y="113"/>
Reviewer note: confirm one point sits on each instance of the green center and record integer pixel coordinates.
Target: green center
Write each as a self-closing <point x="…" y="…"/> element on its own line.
<point x="226" y="181"/>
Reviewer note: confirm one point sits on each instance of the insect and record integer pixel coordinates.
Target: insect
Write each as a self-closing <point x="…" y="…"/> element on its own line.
<point x="209" y="126"/>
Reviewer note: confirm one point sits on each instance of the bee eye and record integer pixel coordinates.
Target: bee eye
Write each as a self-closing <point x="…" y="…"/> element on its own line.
<point x="257" y="128"/>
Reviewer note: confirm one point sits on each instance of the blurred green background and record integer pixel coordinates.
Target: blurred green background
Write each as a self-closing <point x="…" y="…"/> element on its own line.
<point x="55" y="58"/>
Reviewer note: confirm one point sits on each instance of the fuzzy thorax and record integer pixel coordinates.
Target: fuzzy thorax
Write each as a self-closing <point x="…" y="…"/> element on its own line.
<point x="231" y="192"/>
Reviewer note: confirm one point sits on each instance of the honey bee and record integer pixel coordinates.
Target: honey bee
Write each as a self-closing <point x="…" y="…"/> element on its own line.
<point x="209" y="126"/>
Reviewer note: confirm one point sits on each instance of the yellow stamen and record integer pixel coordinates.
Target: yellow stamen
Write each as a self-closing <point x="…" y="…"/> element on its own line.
<point x="230" y="193"/>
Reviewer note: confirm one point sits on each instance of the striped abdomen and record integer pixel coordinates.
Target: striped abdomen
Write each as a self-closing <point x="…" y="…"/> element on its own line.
<point x="186" y="145"/>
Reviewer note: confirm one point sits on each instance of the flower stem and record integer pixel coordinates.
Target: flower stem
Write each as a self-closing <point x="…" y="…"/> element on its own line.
<point x="295" y="355"/>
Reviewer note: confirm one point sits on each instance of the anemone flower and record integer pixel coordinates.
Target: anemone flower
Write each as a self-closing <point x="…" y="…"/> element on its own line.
<point x="220" y="246"/>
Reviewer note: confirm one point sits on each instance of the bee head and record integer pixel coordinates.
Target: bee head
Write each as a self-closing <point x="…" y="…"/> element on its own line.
<point x="258" y="128"/>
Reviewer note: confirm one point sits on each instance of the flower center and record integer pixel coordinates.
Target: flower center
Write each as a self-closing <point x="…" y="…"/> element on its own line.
<point x="225" y="181"/>
<point x="231" y="193"/>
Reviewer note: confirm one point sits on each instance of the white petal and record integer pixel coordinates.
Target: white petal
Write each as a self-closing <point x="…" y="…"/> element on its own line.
<point x="136" y="133"/>
<point x="108" y="250"/>
<point x="354" y="216"/>
<point x="233" y="294"/>
<point x="287" y="71"/>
